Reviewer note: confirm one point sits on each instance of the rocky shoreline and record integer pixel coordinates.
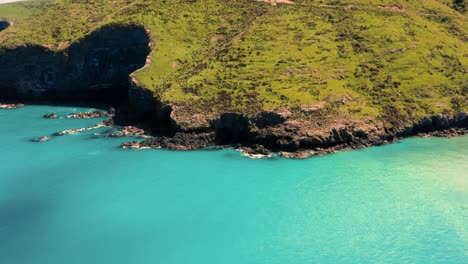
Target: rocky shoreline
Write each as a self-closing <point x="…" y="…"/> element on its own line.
<point x="116" y="132"/>
<point x="263" y="136"/>
<point x="287" y="140"/>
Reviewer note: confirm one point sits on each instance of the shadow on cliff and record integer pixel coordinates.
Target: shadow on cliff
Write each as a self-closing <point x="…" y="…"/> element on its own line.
<point x="92" y="70"/>
<point x="4" y="24"/>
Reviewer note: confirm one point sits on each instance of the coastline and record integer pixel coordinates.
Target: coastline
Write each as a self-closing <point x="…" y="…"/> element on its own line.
<point x="251" y="145"/>
<point x="111" y="81"/>
<point x="259" y="151"/>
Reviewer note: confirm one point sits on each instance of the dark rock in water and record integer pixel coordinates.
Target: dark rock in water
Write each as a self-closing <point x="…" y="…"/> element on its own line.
<point x="259" y="150"/>
<point x="117" y="134"/>
<point x="51" y="115"/>
<point x="132" y="145"/>
<point x="130" y="131"/>
<point x="78" y="130"/>
<point x="256" y="151"/>
<point x="87" y="115"/>
<point x="108" y="122"/>
<point x="4" y="24"/>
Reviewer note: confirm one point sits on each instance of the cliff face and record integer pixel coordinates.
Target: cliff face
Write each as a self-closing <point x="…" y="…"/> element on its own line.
<point x="94" y="68"/>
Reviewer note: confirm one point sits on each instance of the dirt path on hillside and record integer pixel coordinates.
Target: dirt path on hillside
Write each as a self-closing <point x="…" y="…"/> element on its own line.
<point x="275" y="2"/>
<point x="389" y="8"/>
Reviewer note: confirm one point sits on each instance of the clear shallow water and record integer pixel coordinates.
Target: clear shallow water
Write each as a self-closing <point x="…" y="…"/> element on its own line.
<point x="79" y="199"/>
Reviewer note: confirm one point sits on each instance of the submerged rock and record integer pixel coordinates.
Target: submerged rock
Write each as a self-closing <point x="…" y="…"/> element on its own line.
<point x="133" y="145"/>
<point x="41" y="139"/>
<point x="50" y="116"/>
<point x="117" y="134"/>
<point x="256" y="151"/>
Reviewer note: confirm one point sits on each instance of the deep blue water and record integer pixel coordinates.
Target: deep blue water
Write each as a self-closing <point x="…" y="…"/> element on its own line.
<point x="80" y="199"/>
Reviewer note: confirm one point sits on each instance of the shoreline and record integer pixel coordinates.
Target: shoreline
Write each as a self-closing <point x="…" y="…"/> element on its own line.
<point x="436" y="126"/>
<point x="304" y="154"/>
<point x="301" y="154"/>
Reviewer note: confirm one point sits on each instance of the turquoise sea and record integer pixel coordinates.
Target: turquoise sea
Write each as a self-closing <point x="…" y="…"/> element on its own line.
<point x="80" y="199"/>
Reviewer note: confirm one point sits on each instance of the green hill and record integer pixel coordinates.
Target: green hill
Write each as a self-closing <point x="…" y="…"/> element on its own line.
<point x="20" y="10"/>
<point x="387" y="62"/>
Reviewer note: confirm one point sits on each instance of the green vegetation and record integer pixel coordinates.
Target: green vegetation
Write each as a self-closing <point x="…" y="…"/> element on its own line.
<point x="20" y="10"/>
<point x="394" y="60"/>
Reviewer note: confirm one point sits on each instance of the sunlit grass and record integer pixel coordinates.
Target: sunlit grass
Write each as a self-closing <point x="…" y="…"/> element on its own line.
<point x="394" y="60"/>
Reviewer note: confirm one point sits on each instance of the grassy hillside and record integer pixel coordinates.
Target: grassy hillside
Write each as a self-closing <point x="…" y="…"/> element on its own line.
<point x="20" y="10"/>
<point x="391" y="60"/>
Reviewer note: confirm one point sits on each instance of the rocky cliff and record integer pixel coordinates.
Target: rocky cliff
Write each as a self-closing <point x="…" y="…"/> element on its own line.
<point x="291" y="137"/>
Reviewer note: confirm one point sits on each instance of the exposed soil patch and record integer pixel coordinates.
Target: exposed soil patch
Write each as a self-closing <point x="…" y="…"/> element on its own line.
<point x="176" y="64"/>
<point x="396" y="8"/>
<point x="216" y="38"/>
<point x="275" y="2"/>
